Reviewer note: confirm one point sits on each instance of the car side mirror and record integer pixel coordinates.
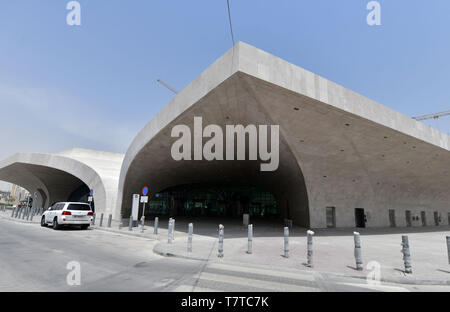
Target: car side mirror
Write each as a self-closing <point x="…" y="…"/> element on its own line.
<point x="49" y="208"/>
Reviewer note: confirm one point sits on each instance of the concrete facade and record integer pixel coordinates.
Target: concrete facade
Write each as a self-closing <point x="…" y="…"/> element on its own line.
<point x="56" y="176"/>
<point x="337" y="148"/>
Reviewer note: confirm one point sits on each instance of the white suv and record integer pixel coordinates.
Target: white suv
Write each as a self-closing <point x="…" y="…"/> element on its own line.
<point x="68" y="213"/>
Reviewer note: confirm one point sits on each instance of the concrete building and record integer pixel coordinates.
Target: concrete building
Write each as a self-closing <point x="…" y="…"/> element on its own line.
<point x="18" y="193"/>
<point x="69" y="175"/>
<point x="344" y="160"/>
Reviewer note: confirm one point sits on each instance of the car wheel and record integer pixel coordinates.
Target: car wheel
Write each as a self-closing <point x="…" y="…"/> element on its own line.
<point x="43" y="224"/>
<point x="55" y="224"/>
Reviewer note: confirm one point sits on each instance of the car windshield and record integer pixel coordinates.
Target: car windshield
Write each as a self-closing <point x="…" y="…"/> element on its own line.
<point x="79" y="207"/>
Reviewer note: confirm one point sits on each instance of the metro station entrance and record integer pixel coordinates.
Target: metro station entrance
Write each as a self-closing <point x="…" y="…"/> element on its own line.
<point x="199" y="200"/>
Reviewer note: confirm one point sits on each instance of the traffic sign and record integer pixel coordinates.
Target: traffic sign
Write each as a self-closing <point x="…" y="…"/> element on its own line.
<point x="145" y="190"/>
<point x="144" y="199"/>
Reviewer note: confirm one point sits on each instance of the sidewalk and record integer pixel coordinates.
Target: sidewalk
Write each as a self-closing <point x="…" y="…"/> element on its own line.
<point x="333" y="248"/>
<point x="333" y="251"/>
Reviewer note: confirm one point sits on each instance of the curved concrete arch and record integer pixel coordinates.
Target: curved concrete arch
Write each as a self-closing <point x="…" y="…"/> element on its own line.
<point x="56" y="176"/>
<point x="338" y="148"/>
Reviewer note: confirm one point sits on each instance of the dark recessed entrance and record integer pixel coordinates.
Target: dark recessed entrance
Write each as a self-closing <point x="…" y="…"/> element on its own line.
<point x="360" y="219"/>
<point x="199" y="200"/>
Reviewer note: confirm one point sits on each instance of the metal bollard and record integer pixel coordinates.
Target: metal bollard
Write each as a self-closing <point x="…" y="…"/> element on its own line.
<point x="169" y="231"/>
<point x="190" y="232"/>
<point x="130" y="224"/>
<point x="28" y="214"/>
<point x="32" y="215"/>
<point x="173" y="229"/>
<point x="120" y="222"/>
<point x="142" y="224"/>
<point x="250" y="239"/>
<point x="101" y="219"/>
<point x="245" y="219"/>
<point x="13" y="211"/>
<point x="221" y="233"/>
<point x="358" y="257"/>
<point x="93" y="219"/>
<point x="24" y="213"/>
<point x="406" y="254"/>
<point x="155" y="228"/>
<point x="286" y="242"/>
<point x="310" y="234"/>
<point x="109" y="220"/>
<point x="448" y="248"/>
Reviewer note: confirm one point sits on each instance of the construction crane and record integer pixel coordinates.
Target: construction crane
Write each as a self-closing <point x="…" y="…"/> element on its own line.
<point x="167" y="86"/>
<point x="432" y="116"/>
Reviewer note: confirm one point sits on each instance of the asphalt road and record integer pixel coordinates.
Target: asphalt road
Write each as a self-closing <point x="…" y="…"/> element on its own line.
<point x="35" y="259"/>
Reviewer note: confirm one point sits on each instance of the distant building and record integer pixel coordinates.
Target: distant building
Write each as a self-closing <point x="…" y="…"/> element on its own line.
<point x="18" y="193"/>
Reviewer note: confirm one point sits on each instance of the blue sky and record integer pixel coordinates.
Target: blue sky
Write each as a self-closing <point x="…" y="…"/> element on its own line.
<point x="94" y="85"/>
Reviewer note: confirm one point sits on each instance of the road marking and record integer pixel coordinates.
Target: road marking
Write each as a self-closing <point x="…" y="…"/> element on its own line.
<point x="190" y="288"/>
<point x="297" y="276"/>
<point x="377" y="287"/>
<point x="256" y="283"/>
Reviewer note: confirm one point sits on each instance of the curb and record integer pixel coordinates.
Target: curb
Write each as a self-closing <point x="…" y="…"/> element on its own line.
<point x="158" y="250"/>
<point x="19" y="220"/>
<point x="127" y="233"/>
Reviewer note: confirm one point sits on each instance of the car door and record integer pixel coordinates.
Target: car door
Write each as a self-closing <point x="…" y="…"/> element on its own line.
<point x="51" y="213"/>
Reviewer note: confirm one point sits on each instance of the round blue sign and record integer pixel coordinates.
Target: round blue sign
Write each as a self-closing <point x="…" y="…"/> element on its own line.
<point x="145" y="190"/>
